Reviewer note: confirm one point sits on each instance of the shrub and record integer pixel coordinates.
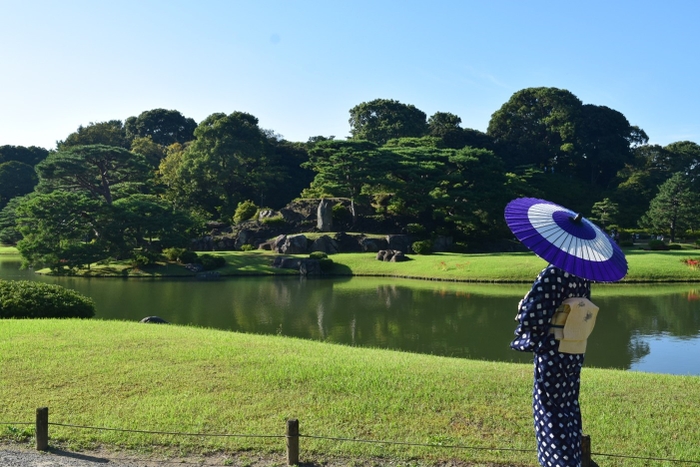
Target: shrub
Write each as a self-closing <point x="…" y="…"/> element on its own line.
<point x="657" y="245"/>
<point x="210" y="262"/>
<point x="187" y="257"/>
<point x="144" y="259"/>
<point x="27" y="299"/>
<point x="274" y="221"/>
<point x="244" y="211"/>
<point x="326" y="264"/>
<point x="422" y="247"/>
<point x="247" y="247"/>
<point x="674" y="246"/>
<point x="173" y="254"/>
<point x="318" y="255"/>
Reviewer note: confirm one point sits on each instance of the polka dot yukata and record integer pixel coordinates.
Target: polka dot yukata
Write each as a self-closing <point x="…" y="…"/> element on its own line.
<point x="557" y="375"/>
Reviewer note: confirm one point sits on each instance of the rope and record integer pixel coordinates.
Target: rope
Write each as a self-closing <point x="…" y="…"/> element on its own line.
<point x="403" y="443"/>
<point x="355" y="440"/>
<point x="177" y="433"/>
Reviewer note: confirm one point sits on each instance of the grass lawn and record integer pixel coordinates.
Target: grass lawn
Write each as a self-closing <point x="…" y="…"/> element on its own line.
<point x="182" y="379"/>
<point x="644" y="266"/>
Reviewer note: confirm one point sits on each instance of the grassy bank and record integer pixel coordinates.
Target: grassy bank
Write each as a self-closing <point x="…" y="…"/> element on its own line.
<point x="182" y="379"/>
<point x="644" y="266"/>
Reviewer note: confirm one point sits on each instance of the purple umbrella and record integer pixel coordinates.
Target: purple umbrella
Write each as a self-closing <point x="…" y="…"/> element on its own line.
<point x="566" y="239"/>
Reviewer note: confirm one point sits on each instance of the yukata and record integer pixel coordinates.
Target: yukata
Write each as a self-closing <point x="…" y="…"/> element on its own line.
<point x="557" y="375"/>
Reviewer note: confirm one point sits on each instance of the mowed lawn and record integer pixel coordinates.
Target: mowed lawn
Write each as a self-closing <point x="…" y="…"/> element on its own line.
<point x="183" y="379"/>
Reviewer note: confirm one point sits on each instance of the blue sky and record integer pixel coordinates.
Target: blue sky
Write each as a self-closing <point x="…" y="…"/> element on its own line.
<point x="300" y="66"/>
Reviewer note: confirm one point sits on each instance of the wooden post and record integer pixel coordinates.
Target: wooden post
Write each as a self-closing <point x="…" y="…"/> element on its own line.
<point x="586" y="451"/>
<point x="42" y="429"/>
<point x="292" y="442"/>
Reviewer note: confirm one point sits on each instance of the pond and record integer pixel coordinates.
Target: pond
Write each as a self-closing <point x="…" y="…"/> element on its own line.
<point x="652" y="328"/>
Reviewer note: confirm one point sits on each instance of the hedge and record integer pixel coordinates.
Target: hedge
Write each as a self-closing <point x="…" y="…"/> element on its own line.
<point x="27" y="299"/>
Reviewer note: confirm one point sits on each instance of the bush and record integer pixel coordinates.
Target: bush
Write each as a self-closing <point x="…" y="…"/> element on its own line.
<point x="674" y="246"/>
<point x="173" y="254"/>
<point x="326" y="264"/>
<point x="144" y="259"/>
<point x="187" y="257"/>
<point x="211" y="262"/>
<point x="657" y="245"/>
<point x="27" y="299"/>
<point x="274" y="221"/>
<point x="318" y="255"/>
<point x="244" y="211"/>
<point x="247" y="247"/>
<point x="422" y="247"/>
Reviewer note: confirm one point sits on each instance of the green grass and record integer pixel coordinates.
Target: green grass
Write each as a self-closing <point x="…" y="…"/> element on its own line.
<point x="644" y="266"/>
<point x="6" y="250"/>
<point x="182" y="379"/>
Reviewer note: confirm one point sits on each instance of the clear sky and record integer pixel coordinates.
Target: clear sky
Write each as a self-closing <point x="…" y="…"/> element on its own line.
<point x="301" y="65"/>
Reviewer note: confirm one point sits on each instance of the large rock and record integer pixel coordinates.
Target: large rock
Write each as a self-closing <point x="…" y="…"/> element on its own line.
<point x="324" y="216"/>
<point x="373" y="244"/>
<point x="245" y="237"/>
<point x="305" y="266"/>
<point x="347" y="243"/>
<point x="394" y="256"/>
<point x="291" y="244"/>
<point x="154" y="320"/>
<point x="325" y="244"/>
<point x="399" y="242"/>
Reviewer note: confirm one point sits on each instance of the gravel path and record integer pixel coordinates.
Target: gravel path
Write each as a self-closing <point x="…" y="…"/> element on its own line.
<point x="21" y="455"/>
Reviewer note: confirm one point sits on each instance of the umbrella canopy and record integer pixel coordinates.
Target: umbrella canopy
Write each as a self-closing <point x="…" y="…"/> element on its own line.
<point x="566" y="239"/>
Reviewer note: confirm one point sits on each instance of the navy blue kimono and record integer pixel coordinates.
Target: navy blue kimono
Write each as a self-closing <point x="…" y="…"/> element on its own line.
<point x="557" y="375"/>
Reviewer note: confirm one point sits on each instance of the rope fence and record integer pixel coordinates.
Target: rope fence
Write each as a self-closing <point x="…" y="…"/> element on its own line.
<point x="292" y="436"/>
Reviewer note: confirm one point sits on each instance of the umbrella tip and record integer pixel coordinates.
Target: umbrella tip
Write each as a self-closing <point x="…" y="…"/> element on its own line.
<point x="577" y="218"/>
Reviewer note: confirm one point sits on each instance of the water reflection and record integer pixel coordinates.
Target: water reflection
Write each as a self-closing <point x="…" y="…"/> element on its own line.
<point x="648" y="328"/>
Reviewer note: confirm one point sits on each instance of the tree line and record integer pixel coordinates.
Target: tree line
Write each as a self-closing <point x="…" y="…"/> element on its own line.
<point x="111" y="189"/>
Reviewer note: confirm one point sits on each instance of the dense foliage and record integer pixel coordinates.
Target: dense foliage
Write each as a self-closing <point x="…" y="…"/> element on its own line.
<point x="29" y="299"/>
<point x="124" y="189"/>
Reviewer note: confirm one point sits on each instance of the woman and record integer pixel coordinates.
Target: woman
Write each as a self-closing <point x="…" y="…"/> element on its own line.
<point x="557" y="375"/>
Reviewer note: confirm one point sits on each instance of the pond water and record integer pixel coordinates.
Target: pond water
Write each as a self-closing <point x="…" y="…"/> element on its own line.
<point x="652" y="328"/>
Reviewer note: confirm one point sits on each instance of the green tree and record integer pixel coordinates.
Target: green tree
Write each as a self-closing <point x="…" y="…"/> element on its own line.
<point x="686" y="158"/>
<point x="60" y="230"/>
<point x="111" y="133"/>
<point x="28" y="155"/>
<point x="344" y="168"/>
<point x="145" y="146"/>
<point x="674" y="209"/>
<point x="8" y="222"/>
<point x="142" y="220"/>
<point x="380" y="120"/>
<point x="442" y="123"/>
<point x="102" y="171"/>
<point x="461" y="191"/>
<point x="639" y="181"/>
<point x="605" y="212"/>
<point x="229" y="161"/>
<point x="605" y="144"/>
<point x="165" y="127"/>
<point x="16" y="179"/>
<point x="537" y="127"/>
